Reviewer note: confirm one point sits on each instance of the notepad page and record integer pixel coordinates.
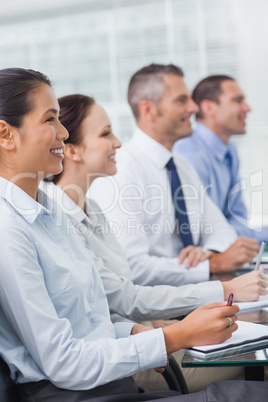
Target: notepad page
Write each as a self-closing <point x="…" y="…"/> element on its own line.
<point x="247" y="331"/>
<point x="262" y="302"/>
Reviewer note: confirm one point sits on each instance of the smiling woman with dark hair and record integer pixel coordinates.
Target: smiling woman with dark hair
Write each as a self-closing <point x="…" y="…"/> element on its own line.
<point x="55" y="330"/>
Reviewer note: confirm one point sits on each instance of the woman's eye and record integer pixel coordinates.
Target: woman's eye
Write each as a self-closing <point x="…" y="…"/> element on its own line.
<point x="51" y="119"/>
<point x="106" y="133"/>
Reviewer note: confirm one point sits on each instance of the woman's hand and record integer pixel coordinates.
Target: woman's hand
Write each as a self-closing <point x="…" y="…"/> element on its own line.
<point x="247" y="287"/>
<point x="204" y="326"/>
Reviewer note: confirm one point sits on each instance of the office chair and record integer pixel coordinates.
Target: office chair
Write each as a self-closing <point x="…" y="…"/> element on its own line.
<point x="174" y="377"/>
<point x="9" y="393"/>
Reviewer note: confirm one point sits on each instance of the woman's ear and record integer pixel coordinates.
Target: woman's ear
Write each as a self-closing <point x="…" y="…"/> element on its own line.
<point x="7" y="133"/>
<point x="72" y="152"/>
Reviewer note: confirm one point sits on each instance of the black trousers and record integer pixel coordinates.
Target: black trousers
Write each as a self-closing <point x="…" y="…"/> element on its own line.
<point x="126" y="390"/>
<point x="115" y="391"/>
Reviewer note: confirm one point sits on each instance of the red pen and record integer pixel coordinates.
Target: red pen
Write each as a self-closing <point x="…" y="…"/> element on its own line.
<point x="230" y="299"/>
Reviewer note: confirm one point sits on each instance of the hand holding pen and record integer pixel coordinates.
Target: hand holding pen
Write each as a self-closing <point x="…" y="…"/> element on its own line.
<point x="259" y="257"/>
<point x="230" y="303"/>
<point x="230" y="299"/>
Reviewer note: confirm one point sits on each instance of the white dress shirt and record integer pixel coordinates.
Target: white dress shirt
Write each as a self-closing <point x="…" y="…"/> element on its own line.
<point x="54" y="316"/>
<point x="137" y="201"/>
<point x="126" y="299"/>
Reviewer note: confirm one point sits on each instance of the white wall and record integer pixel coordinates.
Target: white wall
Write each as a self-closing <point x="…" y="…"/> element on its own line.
<point x="93" y="47"/>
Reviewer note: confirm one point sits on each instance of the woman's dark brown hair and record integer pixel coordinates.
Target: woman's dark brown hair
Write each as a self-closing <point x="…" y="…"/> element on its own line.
<point x="16" y="85"/>
<point x="73" y="110"/>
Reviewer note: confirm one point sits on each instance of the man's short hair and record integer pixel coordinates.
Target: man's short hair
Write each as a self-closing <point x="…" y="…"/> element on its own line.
<point x="209" y="88"/>
<point x="148" y="83"/>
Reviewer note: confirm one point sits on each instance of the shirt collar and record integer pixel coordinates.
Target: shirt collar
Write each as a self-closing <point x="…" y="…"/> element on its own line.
<point x="25" y="205"/>
<point x="212" y="141"/>
<point x="153" y="149"/>
<point x="68" y="206"/>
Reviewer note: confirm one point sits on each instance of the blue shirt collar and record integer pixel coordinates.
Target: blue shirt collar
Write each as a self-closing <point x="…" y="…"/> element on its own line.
<point x="153" y="149"/>
<point x="212" y="141"/>
<point x="25" y="205"/>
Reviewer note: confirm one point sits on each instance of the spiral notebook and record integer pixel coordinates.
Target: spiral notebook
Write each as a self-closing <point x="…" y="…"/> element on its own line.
<point x="247" y="338"/>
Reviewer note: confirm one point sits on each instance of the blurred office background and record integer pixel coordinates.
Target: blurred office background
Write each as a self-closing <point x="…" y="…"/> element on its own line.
<point x="94" y="46"/>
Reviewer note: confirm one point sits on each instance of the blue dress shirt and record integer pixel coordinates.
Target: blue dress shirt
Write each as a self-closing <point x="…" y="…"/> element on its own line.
<point x="218" y="167"/>
<point x="54" y="316"/>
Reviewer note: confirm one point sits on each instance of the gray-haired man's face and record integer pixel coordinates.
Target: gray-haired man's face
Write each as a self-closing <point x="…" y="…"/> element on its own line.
<point x="175" y="109"/>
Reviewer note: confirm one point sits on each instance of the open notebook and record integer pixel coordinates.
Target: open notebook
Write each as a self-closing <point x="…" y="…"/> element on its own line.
<point x="247" y="338"/>
<point x="255" y="305"/>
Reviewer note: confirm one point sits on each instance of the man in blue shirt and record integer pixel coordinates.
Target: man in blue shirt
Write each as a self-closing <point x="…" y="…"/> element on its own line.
<point x="222" y="113"/>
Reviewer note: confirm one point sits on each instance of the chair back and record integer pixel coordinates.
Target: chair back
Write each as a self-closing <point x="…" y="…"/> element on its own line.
<point x="8" y="389"/>
<point x="174" y="377"/>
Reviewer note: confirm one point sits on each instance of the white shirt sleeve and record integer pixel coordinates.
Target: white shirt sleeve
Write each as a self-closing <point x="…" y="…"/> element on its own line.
<point x="140" y="303"/>
<point x="152" y="251"/>
<point x="156" y="302"/>
<point x="132" y="235"/>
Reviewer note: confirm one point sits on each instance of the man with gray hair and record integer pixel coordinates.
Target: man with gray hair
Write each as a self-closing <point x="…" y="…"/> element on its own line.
<point x="171" y="231"/>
